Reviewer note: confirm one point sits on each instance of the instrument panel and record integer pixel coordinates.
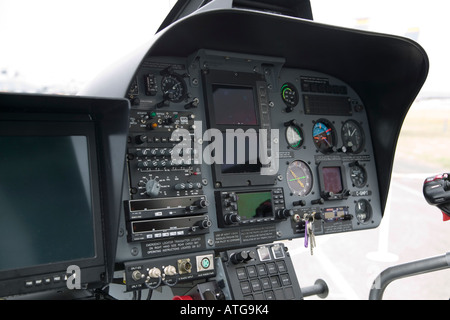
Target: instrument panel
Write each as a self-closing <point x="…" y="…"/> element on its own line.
<point x="228" y="150"/>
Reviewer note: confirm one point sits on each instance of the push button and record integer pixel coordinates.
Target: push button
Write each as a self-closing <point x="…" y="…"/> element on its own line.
<point x="245" y="287"/>
<point x="256" y="285"/>
<point x="281" y="266"/>
<point x="270" y="295"/>
<point x="275" y="282"/>
<point x="271" y="268"/>
<point x="285" y="280"/>
<point x="261" y="270"/>
<point x="241" y="273"/>
<point x="251" y="271"/>
<point x="266" y="283"/>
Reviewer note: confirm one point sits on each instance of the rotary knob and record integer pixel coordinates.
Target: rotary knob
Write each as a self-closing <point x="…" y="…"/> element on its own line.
<point x="202" y="203"/>
<point x="140" y="139"/>
<point x="152" y="188"/>
<point x="231" y="218"/>
<point x="284" y="213"/>
<point x="239" y="257"/>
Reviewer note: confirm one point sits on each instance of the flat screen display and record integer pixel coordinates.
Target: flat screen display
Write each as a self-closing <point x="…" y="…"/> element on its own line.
<point x="234" y="105"/>
<point x="255" y="204"/>
<point x="245" y="158"/>
<point x="332" y="179"/>
<point x="45" y="201"/>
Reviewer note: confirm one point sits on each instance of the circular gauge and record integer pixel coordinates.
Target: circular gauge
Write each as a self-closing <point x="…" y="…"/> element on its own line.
<point x="352" y="136"/>
<point x="363" y="211"/>
<point x="299" y="178"/>
<point x="289" y="94"/>
<point x="324" y="136"/>
<point x="358" y="175"/>
<point x="173" y="87"/>
<point x="294" y="136"/>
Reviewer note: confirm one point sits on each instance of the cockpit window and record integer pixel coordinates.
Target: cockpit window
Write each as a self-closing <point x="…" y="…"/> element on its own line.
<point x="56" y="46"/>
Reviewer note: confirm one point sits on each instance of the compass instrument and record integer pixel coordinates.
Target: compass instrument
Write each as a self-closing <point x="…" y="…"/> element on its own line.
<point x="299" y="178"/>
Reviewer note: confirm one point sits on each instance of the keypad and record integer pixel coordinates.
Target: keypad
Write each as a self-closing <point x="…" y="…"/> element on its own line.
<point x="269" y="276"/>
<point x="276" y="286"/>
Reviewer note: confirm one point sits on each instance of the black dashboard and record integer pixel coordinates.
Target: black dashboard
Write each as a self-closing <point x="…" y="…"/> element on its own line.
<point x="197" y="162"/>
<point x="321" y="140"/>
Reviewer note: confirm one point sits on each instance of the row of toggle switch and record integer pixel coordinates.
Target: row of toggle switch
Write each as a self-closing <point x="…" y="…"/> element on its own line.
<point x="161" y="163"/>
<point x="155" y="152"/>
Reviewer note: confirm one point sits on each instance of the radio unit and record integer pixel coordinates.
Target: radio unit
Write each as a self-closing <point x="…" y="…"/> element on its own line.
<point x="165" y="228"/>
<point x="166" y="207"/>
<point x="239" y="208"/>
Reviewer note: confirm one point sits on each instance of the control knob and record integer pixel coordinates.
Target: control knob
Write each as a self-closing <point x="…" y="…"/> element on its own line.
<point x="299" y="203"/>
<point x="193" y="104"/>
<point x="152" y="188"/>
<point x="201" y="203"/>
<point x="204" y="224"/>
<point x="231" y="218"/>
<point x="318" y="201"/>
<point x="284" y="213"/>
<point x="140" y="139"/>
<point x="239" y="257"/>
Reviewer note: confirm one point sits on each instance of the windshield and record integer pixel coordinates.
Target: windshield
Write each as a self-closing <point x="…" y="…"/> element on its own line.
<point x="53" y="46"/>
<point x="422" y="151"/>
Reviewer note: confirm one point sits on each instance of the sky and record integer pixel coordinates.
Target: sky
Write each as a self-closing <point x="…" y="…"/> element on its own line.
<point x="51" y="42"/>
<point x="56" y="41"/>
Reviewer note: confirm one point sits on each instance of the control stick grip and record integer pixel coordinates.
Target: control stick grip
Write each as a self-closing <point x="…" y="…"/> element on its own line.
<point x="436" y="191"/>
<point x="320" y="288"/>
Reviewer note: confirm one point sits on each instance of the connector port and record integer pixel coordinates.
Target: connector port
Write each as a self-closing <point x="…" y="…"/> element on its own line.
<point x="205" y="262"/>
<point x="184" y="266"/>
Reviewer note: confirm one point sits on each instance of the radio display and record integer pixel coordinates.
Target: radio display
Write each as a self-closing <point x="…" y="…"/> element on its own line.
<point x="255" y="204"/>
